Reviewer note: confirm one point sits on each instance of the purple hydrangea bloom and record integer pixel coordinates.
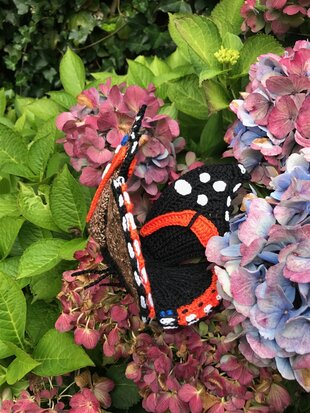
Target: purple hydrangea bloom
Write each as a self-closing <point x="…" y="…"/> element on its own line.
<point x="273" y="113"/>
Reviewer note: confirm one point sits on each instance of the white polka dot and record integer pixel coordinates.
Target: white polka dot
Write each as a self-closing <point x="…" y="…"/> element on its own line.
<point x="202" y="200"/>
<point x="130" y="250"/>
<point x="204" y="177"/>
<point x="190" y="317"/>
<point x="242" y="168"/>
<point x="120" y="200"/>
<point x="226" y="216"/>
<point x="137" y="248"/>
<point x="236" y="187"/>
<point x="228" y="201"/>
<point x="142" y="302"/>
<point x="144" y="319"/>
<point x="137" y="278"/>
<point x="208" y="309"/>
<point x="218" y="297"/>
<point x="219" y="186"/>
<point x="183" y="187"/>
<point x="168" y="321"/>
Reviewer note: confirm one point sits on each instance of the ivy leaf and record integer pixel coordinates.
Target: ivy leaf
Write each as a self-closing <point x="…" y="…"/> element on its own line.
<point x="19" y="367"/>
<point x="40" y="257"/>
<point x="226" y="15"/>
<point x="138" y="74"/>
<point x="68" y="205"/>
<point x="36" y="325"/>
<point x="34" y="209"/>
<point x="63" y="98"/>
<point x="188" y="97"/>
<point x="58" y="354"/>
<point x="12" y="310"/>
<point x="9" y="229"/>
<point x="125" y="393"/>
<point x="72" y="73"/>
<point x="13" y="153"/>
<point x="252" y="48"/>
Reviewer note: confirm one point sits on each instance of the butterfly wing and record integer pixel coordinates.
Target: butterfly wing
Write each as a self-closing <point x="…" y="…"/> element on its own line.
<point x="189" y="212"/>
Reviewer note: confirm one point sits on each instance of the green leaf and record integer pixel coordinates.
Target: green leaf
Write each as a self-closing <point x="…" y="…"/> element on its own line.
<point x="12" y="311"/>
<point x="139" y="74"/>
<point x="13" y="153"/>
<point x="56" y="162"/>
<point x="211" y="140"/>
<point x="226" y="15"/>
<point x="125" y="393"/>
<point x="252" y="48"/>
<point x="8" y="205"/>
<point x="188" y="97"/>
<point x="58" y="354"/>
<point x="2" y="375"/>
<point x="35" y="208"/>
<point x="30" y="233"/>
<point x="70" y="247"/>
<point x="36" y="325"/>
<point x="2" y="102"/>
<point x="169" y="110"/>
<point x="63" y="98"/>
<point x="39" y="154"/>
<point x="40" y="257"/>
<point x="19" y="367"/>
<point x="67" y="202"/>
<point x="46" y="286"/>
<point x="231" y="41"/>
<point x="200" y="35"/>
<point x="72" y="73"/>
<point x="217" y="95"/>
<point x="44" y="109"/>
<point x="209" y="74"/>
<point x="159" y="66"/>
<point x="9" y="229"/>
<point x="177" y="73"/>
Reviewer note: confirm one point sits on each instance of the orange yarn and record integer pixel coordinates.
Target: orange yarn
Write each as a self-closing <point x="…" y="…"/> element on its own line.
<point x="202" y="227"/>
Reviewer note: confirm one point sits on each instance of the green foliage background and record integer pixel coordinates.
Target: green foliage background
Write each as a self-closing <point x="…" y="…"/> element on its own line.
<point x="35" y="34"/>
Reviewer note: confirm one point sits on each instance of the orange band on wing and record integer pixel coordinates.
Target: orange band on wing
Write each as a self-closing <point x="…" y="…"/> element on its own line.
<point x="202" y="227"/>
<point x="117" y="160"/>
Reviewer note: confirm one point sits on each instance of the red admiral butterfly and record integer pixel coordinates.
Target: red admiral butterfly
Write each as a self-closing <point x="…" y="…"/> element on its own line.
<point x="163" y="265"/>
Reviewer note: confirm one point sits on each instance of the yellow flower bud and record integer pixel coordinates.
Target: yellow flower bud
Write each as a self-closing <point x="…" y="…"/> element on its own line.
<point x="228" y="56"/>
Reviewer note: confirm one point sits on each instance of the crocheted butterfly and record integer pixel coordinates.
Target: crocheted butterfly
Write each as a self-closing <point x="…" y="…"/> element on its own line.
<point x="163" y="264"/>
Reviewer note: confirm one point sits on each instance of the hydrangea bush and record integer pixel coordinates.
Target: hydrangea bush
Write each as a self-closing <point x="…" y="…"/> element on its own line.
<point x="90" y="352"/>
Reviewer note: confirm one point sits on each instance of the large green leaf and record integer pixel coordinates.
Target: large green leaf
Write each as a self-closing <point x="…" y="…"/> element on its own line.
<point x="9" y="229"/>
<point x="226" y="15"/>
<point x="72" y="73"/>
<point x="36" y="325"/>
<point x="200" y="35"/>
<point x="188" y="97"/>
<point x="13" y="153"/>
<point x="58" y="354"/>
<point x="2" y="375"/>
<point x="40" y="257"/>
<point x="125" y="393"/>
<point x="12" y="311"/>
<point x="30" y="233"/>
<point x="70" y="247"/>
<point x="254" y="47"/>
<point x="211" y="140"/>
<point x="8" y="205"/>
<point x="44" y="109"/>
<point x="19" y="367"/>
<point x="36" y="208"/>
<point x="39" y="154"/>
<point x="217" y="95"/>
<point x="63" y="98"/>
<point x="138" y="74"/>
<point x="46" y="286"/>
<point x="67" y="202"/>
